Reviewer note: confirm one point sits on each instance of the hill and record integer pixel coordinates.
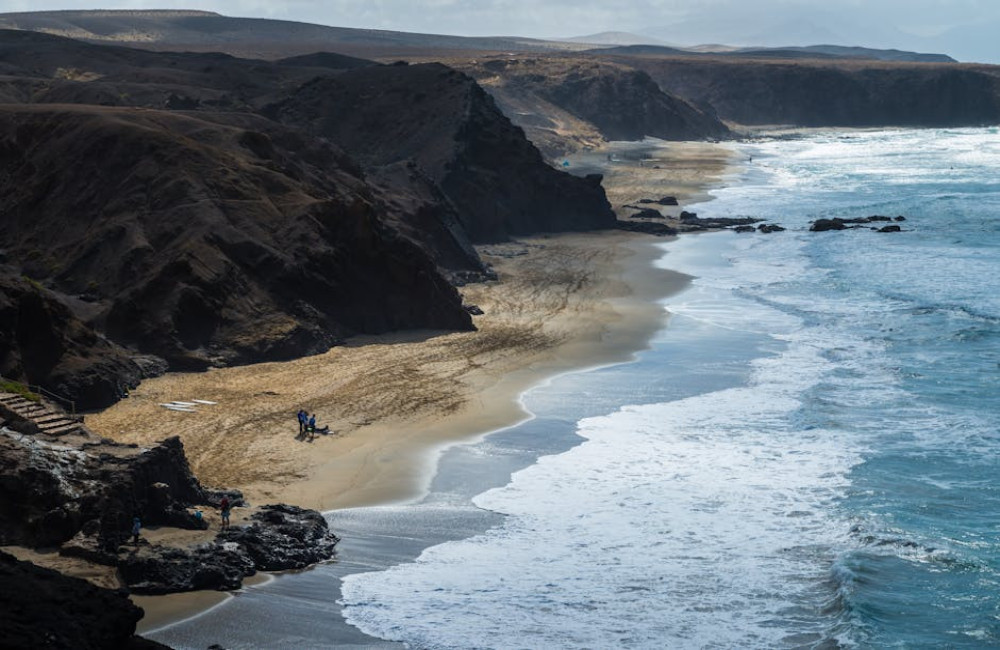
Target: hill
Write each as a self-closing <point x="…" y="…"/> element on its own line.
<point x="151" y="195"/>
<point x="442" y="123"/>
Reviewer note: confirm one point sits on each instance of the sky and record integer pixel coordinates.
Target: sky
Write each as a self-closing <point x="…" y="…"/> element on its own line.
<point x="967" y="28"/>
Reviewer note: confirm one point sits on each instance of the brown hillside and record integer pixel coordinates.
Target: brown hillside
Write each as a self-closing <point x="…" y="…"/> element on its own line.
<point x="207" y="244"/>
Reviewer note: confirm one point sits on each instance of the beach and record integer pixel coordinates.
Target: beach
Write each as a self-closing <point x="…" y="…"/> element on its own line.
<point x="562" y="302"/>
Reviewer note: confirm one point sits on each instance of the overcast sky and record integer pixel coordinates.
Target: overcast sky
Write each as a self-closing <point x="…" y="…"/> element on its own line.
<point x="887" y="23"/>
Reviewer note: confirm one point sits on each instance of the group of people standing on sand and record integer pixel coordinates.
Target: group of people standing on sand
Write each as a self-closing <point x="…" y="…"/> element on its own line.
<point x="307" y="425"/>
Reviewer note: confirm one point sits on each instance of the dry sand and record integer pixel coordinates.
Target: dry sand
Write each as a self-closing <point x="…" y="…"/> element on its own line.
<point x="562" y="303"/>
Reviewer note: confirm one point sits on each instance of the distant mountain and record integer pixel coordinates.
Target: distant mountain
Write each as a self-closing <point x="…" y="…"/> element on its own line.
<point x="250" y="37"/>
<point x="791" y="52"/>
<point x="843" y="52"/>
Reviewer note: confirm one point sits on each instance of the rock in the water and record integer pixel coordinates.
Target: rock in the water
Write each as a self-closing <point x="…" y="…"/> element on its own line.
<point x="823" y="225"/>
<point x="283" y="537"/>
<point x="889" y="229"/>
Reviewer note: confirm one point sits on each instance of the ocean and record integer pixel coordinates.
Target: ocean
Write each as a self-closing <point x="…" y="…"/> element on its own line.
<point x="806" y="457"/>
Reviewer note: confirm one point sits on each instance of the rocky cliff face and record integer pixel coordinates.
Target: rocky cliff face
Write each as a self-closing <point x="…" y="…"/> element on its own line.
<point x="621" y="102"/>
<point x="53" y="491"/>
<point x="451" y="130"/>
<point x="204" y="243"/>
<point x="42" y="342"/>
<point x="811" y="93"/>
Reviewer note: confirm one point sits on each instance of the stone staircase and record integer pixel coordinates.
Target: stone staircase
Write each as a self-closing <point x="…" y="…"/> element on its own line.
<point x="49" y="420"/>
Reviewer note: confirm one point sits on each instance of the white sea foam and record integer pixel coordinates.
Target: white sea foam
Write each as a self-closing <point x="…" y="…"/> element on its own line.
<point x="703" y="522"/>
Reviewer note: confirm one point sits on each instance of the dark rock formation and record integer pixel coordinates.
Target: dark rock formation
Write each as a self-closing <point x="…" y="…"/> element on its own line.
<point x="283" y="537"/>
<point x="40" y="608"/>
<point x="690" y="222"/>
<point x="157" y="570"/>
<point x="218" y="244"/>
<point x="644" y="213"/>
<point x="648" y="227"/>
<point x="830" y="92"/>
<point x="50" y="493"/>
<point x="280" y="537"/>
<point x="83" y="499"/>
<point x="42" y="342"/>
<point x="444" y="123"/>
<point x="822" y="225"/>
<point x="769" y="228"/>
<point x="621" y="102"/>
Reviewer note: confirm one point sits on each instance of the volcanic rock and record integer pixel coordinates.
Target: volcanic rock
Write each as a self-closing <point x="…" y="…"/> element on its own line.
<point x="443" y="122"/>
<point x="40" y="608"/>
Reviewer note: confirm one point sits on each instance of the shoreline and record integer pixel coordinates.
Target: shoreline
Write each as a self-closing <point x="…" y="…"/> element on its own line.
<point x="563" y="303"/>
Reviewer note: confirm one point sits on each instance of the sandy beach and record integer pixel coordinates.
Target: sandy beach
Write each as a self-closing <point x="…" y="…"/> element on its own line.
<point x="562" y="302"/>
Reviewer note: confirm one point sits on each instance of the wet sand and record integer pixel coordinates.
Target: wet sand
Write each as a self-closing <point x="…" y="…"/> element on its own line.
<point x="563" y="302"/>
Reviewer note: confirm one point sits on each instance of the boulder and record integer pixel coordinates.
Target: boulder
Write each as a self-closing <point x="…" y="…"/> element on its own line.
<point x="283" y="537"/>
<point x="159" y="569"/>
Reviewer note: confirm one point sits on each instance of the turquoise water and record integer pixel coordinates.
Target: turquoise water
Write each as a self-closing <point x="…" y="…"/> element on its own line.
<point x="832" y="482"/>
<point x="806" y="457"/>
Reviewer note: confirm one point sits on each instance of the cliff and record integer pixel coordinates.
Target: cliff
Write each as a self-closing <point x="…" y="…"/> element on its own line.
<point x="207" y="244"/>
<point x="621" y="103"/>
<point x="831" y="93"/>
<point x="442" y="122"/>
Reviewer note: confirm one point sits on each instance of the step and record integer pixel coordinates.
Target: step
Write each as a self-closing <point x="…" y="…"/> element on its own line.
<point x="53" y="424"/>
<point x="17" y="399"/>
<point x="62" y="430"/>
<point x="50" y="417"/>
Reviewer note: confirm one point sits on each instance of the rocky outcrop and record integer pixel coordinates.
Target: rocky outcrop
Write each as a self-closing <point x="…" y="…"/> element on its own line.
<point x="82" y="498"/>
<point x="51" y="492"/>
<point x="282" y="537"/>
<point x="830" y="93"/>
<point x="621" y="102"/>
<point x="279" y="538"/>
<point x="40" y="608"/>
<point x="451" y="130"/>
<point x="837" y="223"/>
<point x="42" y="342"/>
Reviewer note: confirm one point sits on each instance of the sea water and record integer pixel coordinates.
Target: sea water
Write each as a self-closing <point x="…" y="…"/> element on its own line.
<point x="807" y="456"/>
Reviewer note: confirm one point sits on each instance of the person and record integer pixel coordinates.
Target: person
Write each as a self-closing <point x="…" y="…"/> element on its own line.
<point x="136" y="527"/>
<point x="302" y="421"/>
<point x="224" y="507"/>
<point x="312" y="426"/>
